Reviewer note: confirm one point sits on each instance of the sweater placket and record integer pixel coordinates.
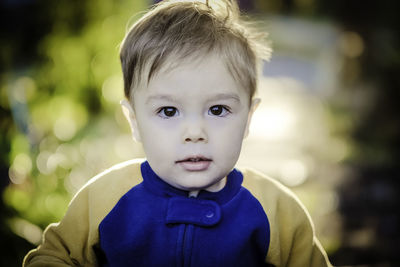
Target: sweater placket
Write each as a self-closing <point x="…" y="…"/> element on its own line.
<point x="188" y="214"/>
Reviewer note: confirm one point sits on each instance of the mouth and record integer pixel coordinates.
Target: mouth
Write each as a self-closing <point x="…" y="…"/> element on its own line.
<point x="194" y="159"/>
<point x="195" y="163"/>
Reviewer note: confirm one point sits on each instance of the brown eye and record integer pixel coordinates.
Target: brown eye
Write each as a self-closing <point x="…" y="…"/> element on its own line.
<point x="167" y="112"/>
<point x="218" y="110"/>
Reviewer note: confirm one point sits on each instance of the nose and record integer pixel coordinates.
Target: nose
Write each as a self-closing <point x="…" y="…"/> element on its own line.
<point x="194" y="131"/>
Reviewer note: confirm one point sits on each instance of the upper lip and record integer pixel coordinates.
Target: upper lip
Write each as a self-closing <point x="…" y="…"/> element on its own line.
<point x="194" y="158"/>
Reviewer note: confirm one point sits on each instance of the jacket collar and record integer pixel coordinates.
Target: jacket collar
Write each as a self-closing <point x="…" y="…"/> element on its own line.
<point x="156" y="185"/>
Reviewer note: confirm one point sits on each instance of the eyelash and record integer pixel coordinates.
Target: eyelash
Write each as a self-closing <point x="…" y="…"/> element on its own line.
<point x="162" y="114"/>
<point x="169" y="112"/>
<point x="224" y="112"/>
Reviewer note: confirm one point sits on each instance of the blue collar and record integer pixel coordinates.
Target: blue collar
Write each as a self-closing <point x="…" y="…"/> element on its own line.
<point x="156" y="185"/>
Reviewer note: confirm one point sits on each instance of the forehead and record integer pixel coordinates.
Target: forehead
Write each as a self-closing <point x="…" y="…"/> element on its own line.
<point x="197" y="76"/>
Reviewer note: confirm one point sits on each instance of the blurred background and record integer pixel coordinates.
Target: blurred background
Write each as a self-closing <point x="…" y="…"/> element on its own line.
<point x="328" y="126"/>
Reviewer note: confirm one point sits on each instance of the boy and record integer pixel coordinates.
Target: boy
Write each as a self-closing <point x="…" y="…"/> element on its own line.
<point x="190" y="72"/>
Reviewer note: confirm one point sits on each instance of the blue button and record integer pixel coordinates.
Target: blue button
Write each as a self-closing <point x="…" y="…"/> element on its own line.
<point x="210" y="214"/>
<point x="195" y="211"/>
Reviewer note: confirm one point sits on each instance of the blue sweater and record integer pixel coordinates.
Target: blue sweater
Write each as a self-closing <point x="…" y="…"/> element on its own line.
<point x="155" y="224"/>
<point x="127" y="216"/>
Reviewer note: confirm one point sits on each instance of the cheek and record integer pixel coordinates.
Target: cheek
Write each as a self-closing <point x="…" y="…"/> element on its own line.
<point x="228" y="138"/>
<point x="233" y="128"/>
<point x="157" y="137"/>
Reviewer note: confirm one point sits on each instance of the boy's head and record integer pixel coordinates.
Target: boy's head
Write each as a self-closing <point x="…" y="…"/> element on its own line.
<point x="178" y="30"/>
<point x="190" y="73"/>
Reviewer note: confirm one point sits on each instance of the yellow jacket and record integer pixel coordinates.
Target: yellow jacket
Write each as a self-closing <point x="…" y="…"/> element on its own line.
<point x="74" y="240"/>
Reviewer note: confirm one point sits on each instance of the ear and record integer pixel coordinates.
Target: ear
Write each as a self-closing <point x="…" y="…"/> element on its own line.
<point x="131" y="117"/>
<point x="255" y="102"/>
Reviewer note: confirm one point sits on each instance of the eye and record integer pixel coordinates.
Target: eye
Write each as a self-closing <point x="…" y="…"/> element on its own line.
<point x="219" y="110"/>
<point x="167" y="112"/>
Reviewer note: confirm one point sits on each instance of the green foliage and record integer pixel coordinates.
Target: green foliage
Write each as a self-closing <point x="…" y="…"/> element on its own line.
<point x="66" y="109"/>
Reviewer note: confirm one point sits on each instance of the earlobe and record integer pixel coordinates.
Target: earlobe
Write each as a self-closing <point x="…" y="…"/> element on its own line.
<point x="254" y="104"/>
<point x="129" y="114"/>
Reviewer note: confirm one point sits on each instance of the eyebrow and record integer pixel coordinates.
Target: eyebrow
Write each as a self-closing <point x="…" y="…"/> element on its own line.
<point x="161" y="97"/>
<point x="223" y="96"/>
<point x="220" y="96"/>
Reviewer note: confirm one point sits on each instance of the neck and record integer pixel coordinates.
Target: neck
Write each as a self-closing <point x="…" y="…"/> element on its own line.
<point x="217" y="186"/>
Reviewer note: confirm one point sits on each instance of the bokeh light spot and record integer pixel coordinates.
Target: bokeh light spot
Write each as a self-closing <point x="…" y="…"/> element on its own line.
<point x="272" y="122"/>
<point x="64" y="128"/>
<point x="112" y="89"/>
<point x="26" y="230"/>
<point x="17" y="198"/>
<point x="293" y="172"/>
<point x="41" y="161"/>
<point x="20" y="168"/>
<point x="351" y="44"/>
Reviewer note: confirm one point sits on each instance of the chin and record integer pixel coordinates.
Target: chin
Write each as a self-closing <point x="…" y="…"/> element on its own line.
<point x="193" y="186"/>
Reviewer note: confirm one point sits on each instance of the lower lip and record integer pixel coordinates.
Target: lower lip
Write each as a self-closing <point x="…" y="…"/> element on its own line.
<point x="195" y="166"/>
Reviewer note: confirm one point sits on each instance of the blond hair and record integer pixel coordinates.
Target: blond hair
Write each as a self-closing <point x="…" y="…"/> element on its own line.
<point x="176" y="30"/>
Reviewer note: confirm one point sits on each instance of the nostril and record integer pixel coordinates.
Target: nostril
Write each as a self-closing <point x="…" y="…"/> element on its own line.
<point x="200" y="139"/>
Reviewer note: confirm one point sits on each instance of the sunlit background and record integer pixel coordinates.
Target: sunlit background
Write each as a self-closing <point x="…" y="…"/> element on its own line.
<point x="328" y="126"/>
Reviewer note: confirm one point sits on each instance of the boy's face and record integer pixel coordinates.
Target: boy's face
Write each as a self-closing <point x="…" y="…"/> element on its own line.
<point x="191" y="121"/>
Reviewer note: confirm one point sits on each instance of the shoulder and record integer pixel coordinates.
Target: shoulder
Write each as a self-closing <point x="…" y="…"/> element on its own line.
<point x="290" y="223"/>
<point x="276" y="199"/>
<point x="261" y="185"/>
<point x="101" y="193"/>
<point x="119" y="177"/>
